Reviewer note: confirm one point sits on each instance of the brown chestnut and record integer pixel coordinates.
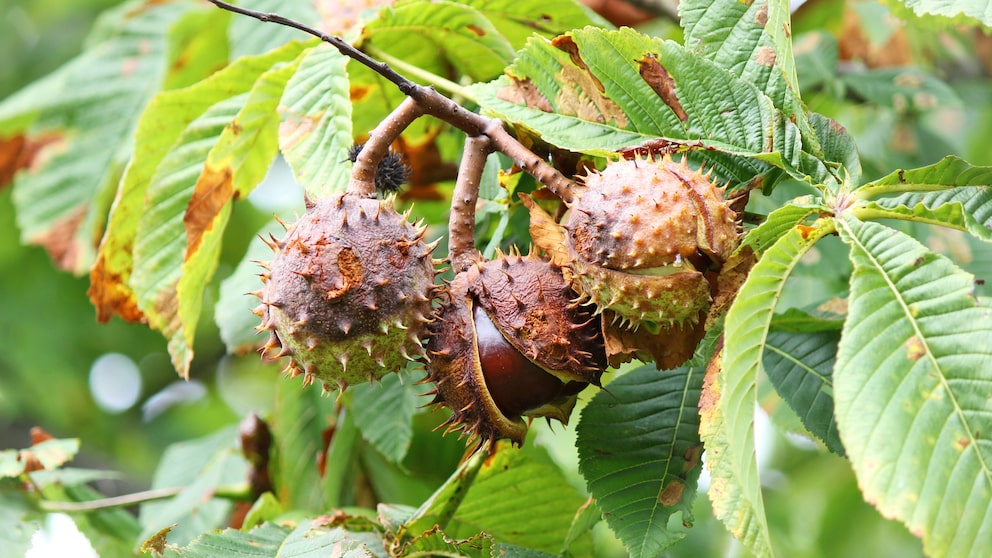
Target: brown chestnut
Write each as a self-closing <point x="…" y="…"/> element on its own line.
<point x="511" y="343"/>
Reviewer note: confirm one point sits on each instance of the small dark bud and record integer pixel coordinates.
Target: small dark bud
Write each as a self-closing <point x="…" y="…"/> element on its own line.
<point x="391" y="173"/>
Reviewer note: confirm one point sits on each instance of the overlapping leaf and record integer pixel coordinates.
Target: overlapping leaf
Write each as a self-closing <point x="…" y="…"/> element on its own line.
<point x="800" y="366"/>
<point x="315" y="133"/>
<point x="517" y="21"/>
<point x="951" y="193"/>
<point x="299" y="420"/>
<point x="383" y="413"/>
<point x="178" y="238"/>
<point x="445" y="33"/>
<point x="751" y="39"/>
<point x="778" y="223"/>
<point x="233" y="310"/>
<point x="82" y="132"/>
<point x="729" y="396"/>
<point x="596" y="92"/>
<point x="912" y="390"/>
<point x="309" y="539"/>
<point x="159" y="129"/>
<point x="197" y="467"/>
<point x="639" y="451"/>
<point x="518" y="499"/>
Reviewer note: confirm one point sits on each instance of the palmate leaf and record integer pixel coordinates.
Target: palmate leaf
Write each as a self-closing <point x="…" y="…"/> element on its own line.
<point x="160" y="126"/>
<point x="639" y="451"/>
<point x="82" y="132"/>
<point x="729" y="396"/>
<point x="178" y="239"/>
<point x="597" y="91"/>
<point x="912" y="390"/>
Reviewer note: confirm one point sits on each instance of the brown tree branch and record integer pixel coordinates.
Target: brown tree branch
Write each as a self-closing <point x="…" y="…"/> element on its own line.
<point x="461" y="221"/>
<point x="433" y="103"/>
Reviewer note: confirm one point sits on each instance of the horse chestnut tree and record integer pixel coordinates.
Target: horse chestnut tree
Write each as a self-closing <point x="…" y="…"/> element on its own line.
<point x="703" y="248"/>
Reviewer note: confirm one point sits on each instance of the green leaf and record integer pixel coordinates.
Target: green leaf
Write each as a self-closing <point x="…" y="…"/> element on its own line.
<point x="751" y="39"/>
<point x="159" y="129"/>
<point x="19" y="521"/>
<point x="520" y="499"/>
<point x="639" y="451"/>
<point x="111" y="532"/>
<point x="315" y="133"/>
<point x="446" y="32"/>
<point x="86" y="133"/>
<point x="779" y="223"/>
<point x="233" y="312"/>
<point x="912" y="389"/>
<point x="597" y="91"/>
<point x="968" y="208"/>
<point x="950" y="193"/>
<point x="299" y="419"/>
<point x="383" y="413"/>
<point x="800" y="366"/>
<point x="728" y="399"/>
<point x="436" y="543"/>
<point x="198" y="47"/>
<point x="518" y="21"/>
<point x="949" y="172"/>
<point x="49" y="455"/>
<point x="838" y="147"/>
<point x="974" y="10"/>
<point x="178" y="240"/>
<point x="310" y="539"/>
<point x="249" y="37"/>
<point x="198" y="467"/>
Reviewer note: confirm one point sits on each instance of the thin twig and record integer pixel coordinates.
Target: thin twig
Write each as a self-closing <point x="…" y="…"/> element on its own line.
<point x="433" y="103"/>
<point x="112" y="502"/>
<point x="461" y="221"/>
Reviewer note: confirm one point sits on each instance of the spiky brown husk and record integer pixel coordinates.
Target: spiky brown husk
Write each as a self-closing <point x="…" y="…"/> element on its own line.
<point x="347" y="296"/>
<point x="552" y="348"/>
<point x="640" y="236"/>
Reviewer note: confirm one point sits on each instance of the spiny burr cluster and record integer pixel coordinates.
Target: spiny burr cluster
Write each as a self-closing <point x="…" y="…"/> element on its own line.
<point x="347" y="295"/>
<point x="642" y="233"/>
<point x="510" y="342"/>
<point x="643" y="243"/>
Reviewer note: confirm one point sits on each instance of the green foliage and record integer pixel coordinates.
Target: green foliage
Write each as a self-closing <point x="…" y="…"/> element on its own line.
<point x="132" y="162"/>
<point x="642" y="460"/>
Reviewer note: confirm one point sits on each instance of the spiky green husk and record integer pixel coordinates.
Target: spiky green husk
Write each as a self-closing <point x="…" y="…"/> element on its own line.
<point x="635" y="234"/>
<point x="347" y="296"/>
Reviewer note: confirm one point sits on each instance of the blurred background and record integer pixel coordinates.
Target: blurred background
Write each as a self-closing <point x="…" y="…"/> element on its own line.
<point x="113" y="386"/>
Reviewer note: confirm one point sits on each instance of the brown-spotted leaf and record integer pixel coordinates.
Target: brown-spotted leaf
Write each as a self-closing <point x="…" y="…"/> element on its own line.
<point x="582" y="94"/>
<point x="20" y="151"/>
<point x="212" y="192"/>
<point x="656" y="76"/>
